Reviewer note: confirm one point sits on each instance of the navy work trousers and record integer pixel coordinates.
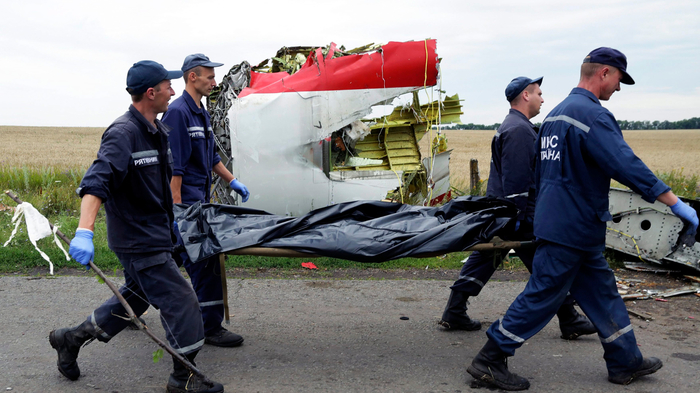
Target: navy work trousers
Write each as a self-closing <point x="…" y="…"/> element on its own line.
<point x="559" y="269"/>
<point x="153" y="278"/>
<point x="481" y="265"/>
<point x="206" y="280"/>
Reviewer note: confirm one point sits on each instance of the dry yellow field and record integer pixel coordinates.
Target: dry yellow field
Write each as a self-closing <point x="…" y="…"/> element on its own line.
<point x="76" y="147"/>
<point x="58" y="147"/>
<point x="662" y="151"/>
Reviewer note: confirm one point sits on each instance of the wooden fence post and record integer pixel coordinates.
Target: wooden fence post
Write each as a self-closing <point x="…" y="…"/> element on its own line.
<point x="474" y="181"/>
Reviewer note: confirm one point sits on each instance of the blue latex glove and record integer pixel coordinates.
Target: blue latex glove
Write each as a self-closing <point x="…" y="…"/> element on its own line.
<point x="81" y="247"/>
<point x="517" y="225"/>
<point x="240" y="189"/>
<point x="686" y="213"/>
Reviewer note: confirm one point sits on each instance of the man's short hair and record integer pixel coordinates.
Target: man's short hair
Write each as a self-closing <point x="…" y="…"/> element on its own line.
<point x="588" y="70"/>
<point x="197" y="71"/>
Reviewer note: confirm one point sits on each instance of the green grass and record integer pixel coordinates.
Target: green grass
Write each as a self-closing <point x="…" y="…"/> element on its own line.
<point x="462" y="187"/>
<point x="53" y="194"/>
<point x="449" y="261"/>
<point x="686" y="186"/>
<point x="681" y="185"/>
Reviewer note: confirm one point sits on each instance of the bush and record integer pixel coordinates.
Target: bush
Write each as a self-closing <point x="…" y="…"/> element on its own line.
<point x="681" y="185"/>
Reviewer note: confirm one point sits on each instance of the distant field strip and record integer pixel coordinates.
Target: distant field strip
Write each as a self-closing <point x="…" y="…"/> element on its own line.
<point x="76" y="147"/>
<point x="58" y="147"/>
<point x="662" y="151"/>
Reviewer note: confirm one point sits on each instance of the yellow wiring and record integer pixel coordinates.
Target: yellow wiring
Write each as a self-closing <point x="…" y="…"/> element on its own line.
<point x="639" y="252"/>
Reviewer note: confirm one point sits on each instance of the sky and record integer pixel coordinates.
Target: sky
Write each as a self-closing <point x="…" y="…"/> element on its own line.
<point x="65" y="62"/>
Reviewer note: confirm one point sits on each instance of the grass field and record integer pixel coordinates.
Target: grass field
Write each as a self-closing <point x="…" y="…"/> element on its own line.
<point x="75" y="148"/>
<point x="58" y="147"/>
<point x="45" y="165"/>
<point x="662" y="151"/>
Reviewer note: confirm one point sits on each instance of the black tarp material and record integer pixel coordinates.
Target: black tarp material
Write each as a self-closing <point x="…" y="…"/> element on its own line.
<point x="362" y="231"/>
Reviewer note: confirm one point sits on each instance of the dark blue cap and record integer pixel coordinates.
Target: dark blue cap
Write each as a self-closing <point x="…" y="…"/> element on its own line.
<point x="517" y="85"/>
<point x="198" y="59"/>
<point x="611" y="57"/>
<point x="146" y="74"/>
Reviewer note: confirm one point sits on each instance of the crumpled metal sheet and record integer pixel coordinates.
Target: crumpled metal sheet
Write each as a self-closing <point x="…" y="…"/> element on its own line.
<point x="363" y="231"/>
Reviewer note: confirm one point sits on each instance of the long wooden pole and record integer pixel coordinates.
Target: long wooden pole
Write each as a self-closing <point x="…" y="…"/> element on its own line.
<point x="128" y="308"/>
<point x="288" y="253"/>
<point x="224" y="287"/>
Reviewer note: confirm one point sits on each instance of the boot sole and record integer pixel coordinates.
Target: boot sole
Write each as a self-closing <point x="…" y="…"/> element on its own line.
<point x="575" y="335"/>
<point x="55" y="344"/>
<point x="452" y="326"/>
<point x="489" y="380"/>
<point x="231" y="344"/>
<point x="637" y="374"/>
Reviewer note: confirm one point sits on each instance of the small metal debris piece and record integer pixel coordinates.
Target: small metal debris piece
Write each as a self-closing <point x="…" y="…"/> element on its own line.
<point x="645" y="267"/>
<point x="692" y="278"/>
<point x="635" y="296"/>
<point x="641" y="315"/>
<point x="660" y="300"/>
<point x="679" y="291"/>
<point x="404" y="318"/>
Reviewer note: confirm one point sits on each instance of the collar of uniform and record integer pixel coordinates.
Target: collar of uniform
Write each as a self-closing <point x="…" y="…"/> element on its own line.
<point x="159" y="125"/>
<point x="520" y="114"/>
<point x="190" y="102"/>
<point x="582" y="91"/>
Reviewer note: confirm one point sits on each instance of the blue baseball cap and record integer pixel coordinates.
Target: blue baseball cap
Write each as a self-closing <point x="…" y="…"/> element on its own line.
<point x="517" y="85"/>
<point x="611" y="57"/>
<point x="146" y="74"/>
<point x="196" y="60"/>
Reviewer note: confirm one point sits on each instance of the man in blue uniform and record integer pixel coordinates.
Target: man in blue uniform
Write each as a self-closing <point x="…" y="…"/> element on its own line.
<point x="511" y="176"/>
<point x="194" y="158"/>
<point x="131" y="177"/>
<point x="580" y="149"/>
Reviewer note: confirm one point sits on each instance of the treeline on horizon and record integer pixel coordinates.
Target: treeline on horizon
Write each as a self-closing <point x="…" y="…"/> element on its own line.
<point x="687" y="124"/>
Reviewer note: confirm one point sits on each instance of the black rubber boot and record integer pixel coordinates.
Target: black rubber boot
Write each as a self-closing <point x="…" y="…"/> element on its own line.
<point x="67" y="343"/>
<point x="649" y="366"/>
<point x="573" y="324"/>
<point x="223" y="338"/>
<point x="182" y="381"/>
<point x="455" y="316"/>
<point x="490" y="367"/>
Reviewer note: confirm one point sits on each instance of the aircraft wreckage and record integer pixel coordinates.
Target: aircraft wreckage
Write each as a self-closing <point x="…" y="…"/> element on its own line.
<point x="295" y="132"/>
<point x="294" y="129"/>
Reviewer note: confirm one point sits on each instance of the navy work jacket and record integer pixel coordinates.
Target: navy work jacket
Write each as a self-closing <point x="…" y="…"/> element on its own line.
<point x="132" y="177"/>
<point x="512" y="163"/>
<point x="581" y="148"/>
<point x="193" y="146"/>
